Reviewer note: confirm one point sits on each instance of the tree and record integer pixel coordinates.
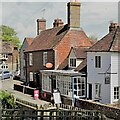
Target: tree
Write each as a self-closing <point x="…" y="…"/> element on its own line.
<point x="7" y="99"/>
<point x="93" y="37"/>
<point x="9" y="34"/>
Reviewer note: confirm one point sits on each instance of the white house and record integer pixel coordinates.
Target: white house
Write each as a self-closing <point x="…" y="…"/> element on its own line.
<point x="103" y="72"/>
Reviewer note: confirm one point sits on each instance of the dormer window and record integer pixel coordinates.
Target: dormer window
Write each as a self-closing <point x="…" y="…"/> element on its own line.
<point x="72" y="62"/>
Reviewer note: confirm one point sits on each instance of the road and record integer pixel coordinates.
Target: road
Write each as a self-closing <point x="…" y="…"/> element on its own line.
<point x="7" y="84"/>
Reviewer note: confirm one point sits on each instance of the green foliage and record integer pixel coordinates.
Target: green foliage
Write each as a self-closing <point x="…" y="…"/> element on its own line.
<point x="7" y="99"/>
<point x="9" y="34"/>
<point x="93" y="37"/>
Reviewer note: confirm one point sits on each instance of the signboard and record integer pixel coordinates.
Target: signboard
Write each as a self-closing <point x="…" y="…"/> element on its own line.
<point x="57" y="98"/>
<point x="107" y="80"/>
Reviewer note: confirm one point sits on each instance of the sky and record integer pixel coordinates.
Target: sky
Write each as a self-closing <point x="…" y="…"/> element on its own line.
<point x="21" y="15"/>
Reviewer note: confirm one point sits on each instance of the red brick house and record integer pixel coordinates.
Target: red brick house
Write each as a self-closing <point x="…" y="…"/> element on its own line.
<point x="53" y="45"/>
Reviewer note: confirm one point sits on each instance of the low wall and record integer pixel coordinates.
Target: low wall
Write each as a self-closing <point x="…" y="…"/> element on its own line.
<point x="108" y="111"/>
<point x="24" y="89"/>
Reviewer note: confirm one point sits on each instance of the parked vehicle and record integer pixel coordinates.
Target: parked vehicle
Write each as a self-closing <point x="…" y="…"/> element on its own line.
<point x="4" y="74"/>
<point x="16" y="75"/>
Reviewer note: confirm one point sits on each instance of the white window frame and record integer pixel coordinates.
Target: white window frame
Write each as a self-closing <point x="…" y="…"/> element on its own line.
<point x="31" y="76"/>
<point x="79" y="86"/>
<point x="30" y="59"/>
<point x="98" y="61"/>
<point x="97" y="90"/>
<point x="64" y="85"/>
<point x="116" y="93"/>
<point x="5" y="55"/>
<point x="4" y="66"/>
<point x="46" y="82"/>
<point x="72" y="62"/>
<point x="45" y="58"/>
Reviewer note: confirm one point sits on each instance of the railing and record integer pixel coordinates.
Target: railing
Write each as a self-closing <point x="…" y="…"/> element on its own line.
<point x="52" y="114"/>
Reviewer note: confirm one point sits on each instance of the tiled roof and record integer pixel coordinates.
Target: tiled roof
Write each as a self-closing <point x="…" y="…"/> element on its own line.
<point x="80" y="52"/>
<point x="63" y="64"/>
<point x="6" y="47"/>
<point x="29" y="40"/>
<point x="111" y="42"/>
<point x="47" y="39"/>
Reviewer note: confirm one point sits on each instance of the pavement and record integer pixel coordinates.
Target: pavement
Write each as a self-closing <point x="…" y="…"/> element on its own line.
<point x="7" y="84"/>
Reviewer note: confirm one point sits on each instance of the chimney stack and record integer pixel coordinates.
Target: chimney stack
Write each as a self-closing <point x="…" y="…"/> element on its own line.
<point x="113" y="26"/>
<point x="58" y="22"/>
<point x="74" y="14"/>
<point x="41" y="25"/>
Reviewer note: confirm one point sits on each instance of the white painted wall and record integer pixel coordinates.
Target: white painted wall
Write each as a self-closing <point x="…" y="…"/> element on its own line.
<point x="94" y="75"/>
<point x="115" y="71"/>
<point x="72" y="55"/>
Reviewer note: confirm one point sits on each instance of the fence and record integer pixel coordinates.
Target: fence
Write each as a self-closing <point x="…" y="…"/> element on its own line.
<point x="52" y="114"/>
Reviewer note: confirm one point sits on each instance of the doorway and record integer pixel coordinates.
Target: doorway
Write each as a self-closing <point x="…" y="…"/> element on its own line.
<point x="90" y="91"/>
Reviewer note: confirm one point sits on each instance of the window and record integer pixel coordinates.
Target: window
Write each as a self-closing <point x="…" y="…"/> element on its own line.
<point x="97" y="90"/>
<point x="5" y="55"/>
<point x="116" y="92"/>
<point x="72" y="62"/>
<point x="79" y="86"/>
<point x="98" y="61"/>
<point x="4" y="66"/>
<point x="31" y="76"/>
<point x="46" y="82"/>
<point x="15" y="48"/>
<point x="64" y="85"/>
<point x="30" y="59"/>
<point x="45" y="59"/>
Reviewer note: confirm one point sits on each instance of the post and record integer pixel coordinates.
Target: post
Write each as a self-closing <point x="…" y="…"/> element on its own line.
<point x="73" y="99"/>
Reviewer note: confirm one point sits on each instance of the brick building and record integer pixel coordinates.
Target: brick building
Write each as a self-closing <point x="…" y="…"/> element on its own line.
<point x="53" y="45"/>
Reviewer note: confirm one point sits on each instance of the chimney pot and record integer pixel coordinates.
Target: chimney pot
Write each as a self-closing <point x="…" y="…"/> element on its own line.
<point x="113" y="26"/>
<point x="58" y="22"/>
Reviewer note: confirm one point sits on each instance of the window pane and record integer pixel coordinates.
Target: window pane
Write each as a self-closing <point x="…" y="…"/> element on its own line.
<point x="72" y="62"/>
<point x="97" y="90"/>
<point x="45" y="58"/>
<point x="98" y="61"/>
<point x="79" y="86"/>
<point x="116" y="92"/>
<point x="30" y="59"/>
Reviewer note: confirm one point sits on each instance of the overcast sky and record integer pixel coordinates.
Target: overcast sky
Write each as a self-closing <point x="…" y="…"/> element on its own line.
<point x="95" y="16"/>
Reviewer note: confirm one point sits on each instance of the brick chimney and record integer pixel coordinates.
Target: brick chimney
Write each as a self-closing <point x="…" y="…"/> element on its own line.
<point x="74" y="13"/>
<point x="41" y="25"/>
<point x="113" y="26"/>
<point x="58" y="22"/>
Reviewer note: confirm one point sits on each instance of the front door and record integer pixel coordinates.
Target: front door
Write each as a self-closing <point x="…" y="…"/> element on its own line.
<point x="90" y="91"/>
